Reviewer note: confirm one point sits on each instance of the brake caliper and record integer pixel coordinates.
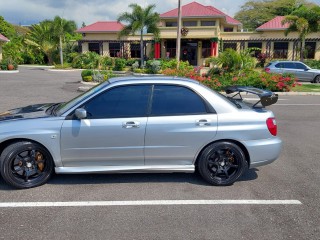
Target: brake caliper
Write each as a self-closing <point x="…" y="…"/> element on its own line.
<point x="39" y="161"/>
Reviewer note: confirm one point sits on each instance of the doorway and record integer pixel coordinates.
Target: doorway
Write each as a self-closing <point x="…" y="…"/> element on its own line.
<point x="189" y="51"/>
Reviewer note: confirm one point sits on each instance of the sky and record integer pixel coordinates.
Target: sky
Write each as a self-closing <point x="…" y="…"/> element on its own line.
<point x="26" y="12"/>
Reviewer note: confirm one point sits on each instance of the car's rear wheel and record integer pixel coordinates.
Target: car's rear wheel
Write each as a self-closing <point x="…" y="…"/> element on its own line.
<point x="26" y="165"/>
<point x="222" y="163"/>
<point x="317" y="79"/>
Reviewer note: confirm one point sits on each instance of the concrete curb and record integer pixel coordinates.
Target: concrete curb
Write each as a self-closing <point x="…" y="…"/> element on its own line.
<point x="9" y="71"/>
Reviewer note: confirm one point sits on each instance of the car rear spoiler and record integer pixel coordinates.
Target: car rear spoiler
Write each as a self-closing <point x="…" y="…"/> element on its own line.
<point x="267" y="97"/>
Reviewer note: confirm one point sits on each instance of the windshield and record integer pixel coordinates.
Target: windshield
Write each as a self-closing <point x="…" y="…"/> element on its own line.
<point x="62" y="108"/>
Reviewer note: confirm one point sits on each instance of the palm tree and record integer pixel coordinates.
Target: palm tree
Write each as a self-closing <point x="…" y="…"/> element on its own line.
<point x="41" y="37"/>
<point x="60" y="27"/>
<point x="139" y="19"/>
<point x="303" y="20"/>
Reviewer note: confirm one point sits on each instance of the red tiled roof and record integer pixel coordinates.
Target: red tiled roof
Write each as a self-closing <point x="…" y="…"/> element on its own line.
<point x="195" y="9"/>
<point x="3" y="38"/>
<point x="274" y="24"/>
<point x="104" y="26"/>
<point x="228" y="18"/>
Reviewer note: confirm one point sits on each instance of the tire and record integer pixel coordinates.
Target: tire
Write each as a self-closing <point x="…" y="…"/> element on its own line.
<point x="222" y="163"/>
<point x="317" y="79"/>
<point x="26" y="165"/>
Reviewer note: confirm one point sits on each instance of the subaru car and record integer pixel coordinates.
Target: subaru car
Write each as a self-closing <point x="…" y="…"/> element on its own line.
<point x="298" y="69"/>
<point x="140" y="125"/>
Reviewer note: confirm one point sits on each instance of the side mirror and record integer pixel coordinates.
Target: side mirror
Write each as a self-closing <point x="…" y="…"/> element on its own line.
<point x="80" y="113"/>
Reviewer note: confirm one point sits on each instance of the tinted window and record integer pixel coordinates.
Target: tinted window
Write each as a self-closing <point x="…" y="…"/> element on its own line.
<point x="300" y="66"/>
<point x="176" y="100"/>
<point x="125" y="101"/>
<point x="289" y="65"/>
<point x="279" y="65"/>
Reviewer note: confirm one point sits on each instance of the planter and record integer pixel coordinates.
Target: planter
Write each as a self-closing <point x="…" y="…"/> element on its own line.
<point x="10" y="67"/>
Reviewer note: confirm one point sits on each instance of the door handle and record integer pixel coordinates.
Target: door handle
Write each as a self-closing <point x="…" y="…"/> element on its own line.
<point x="203" y="122"/>
<point x="131" y="124"/>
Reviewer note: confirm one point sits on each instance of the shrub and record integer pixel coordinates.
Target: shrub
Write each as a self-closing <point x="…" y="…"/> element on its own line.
<point x="64" y="66"/>
<point x="96" y="76"/>
<point x="87" y="78"/>
<point x="130" y="62"/>
<point x="119" y="64"/>
<point x="106" y="63"/>
<point x="153" y="66"/>
<point x="313" y="63"/>
<point x="86" y="60"/>
<point x="139" y="70"/>
<point x="135" y="65"/>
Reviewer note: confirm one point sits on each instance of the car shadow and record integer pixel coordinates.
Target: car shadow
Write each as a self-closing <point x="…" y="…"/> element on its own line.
<point x="82" y="179"/>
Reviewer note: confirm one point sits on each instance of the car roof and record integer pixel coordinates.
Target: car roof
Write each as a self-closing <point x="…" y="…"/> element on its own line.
<point x="149" y="78"/>
<point x="279" y="61"/>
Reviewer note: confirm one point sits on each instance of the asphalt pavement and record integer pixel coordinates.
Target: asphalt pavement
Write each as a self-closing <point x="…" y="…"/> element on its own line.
<point x="126" y="212"/>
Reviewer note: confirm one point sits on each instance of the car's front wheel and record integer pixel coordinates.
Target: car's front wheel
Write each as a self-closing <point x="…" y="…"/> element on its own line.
<point x="26" y="164"/>
<point x="317" y="79"/>
<point x="222" y="163"/>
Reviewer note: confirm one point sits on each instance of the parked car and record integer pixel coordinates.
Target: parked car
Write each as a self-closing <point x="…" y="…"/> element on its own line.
<point x="156" y="124"/>
<point x="299" y="69"/>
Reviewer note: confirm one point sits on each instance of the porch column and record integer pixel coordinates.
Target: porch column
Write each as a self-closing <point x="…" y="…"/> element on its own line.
<point x="157" y="49"/>
<point x="214" y="46"/>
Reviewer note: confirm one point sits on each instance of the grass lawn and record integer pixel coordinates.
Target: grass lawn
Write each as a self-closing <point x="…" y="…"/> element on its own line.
<point x="307" y="88"/>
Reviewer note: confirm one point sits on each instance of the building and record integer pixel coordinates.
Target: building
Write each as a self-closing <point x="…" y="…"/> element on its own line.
<point x="3" y="40"/>
<point x="206" y="31"/>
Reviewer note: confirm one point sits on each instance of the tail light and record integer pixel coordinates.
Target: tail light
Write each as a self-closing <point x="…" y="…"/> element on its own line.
<point x="267" y="70"/>
<point x="272" y="126"/>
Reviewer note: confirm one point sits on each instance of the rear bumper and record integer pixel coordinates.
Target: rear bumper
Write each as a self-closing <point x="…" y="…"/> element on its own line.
<point x="263" y="152"/>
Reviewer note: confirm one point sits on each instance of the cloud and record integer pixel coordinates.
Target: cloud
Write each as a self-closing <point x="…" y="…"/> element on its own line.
<point x="27" y="12"/>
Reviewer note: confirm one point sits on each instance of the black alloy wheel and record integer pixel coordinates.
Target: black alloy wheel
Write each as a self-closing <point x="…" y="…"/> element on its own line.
<point x="317" y="79"/>
<point x="222" y="163"/>
<point x="26" y="165"/>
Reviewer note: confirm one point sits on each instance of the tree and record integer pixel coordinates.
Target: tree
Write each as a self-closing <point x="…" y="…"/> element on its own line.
<point x="41" y="37"/>
<point x="61" y="27"/>
<point x="303" y="20"/>
<point x="7" y="29"/>
<point x="138" y="20"/>
<point x="255" y="13"/>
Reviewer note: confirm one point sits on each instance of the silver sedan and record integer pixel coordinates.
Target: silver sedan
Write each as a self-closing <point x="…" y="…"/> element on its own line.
<point x="151" y="124"/>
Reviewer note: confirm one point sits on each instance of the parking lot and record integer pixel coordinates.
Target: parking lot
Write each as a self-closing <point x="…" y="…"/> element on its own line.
<point x="277" y="201"/>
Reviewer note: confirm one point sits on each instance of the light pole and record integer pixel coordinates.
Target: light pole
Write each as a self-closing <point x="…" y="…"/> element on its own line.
<point x="179" y="34"/>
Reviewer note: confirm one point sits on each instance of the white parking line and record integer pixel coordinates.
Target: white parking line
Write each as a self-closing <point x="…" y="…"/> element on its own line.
<point x="148" y="203"/>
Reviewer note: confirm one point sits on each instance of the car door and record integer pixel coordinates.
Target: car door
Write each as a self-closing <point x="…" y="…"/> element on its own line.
<point x="113" y="132"/>
<point x="289" y="67"/>
<point x="302" y="72"/>
<point x="179" y="125"/>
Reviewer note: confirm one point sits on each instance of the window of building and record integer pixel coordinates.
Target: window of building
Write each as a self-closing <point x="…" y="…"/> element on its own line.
<point x="310" y="50"/>
<point x="114" y="49"/>
<point x="171" y="24"/>
<point x="94" y="47"/>
<point x="119" y="102"/>
<point x="228" y="29"/>
<point x="280" y="50"/>
<point x="190" y="23"/>
<point x="171" y="49"/>
<point x="255" y="45"/>
<point x="176" y="100"/>
<point x="135" y="50"/>
<point x="208" y="23"/>
<point x="230" y="45"/>
<point x="206" y="49"/>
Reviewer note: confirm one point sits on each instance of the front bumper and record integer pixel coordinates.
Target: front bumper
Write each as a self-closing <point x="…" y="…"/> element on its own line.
<point x="263" y="152"/>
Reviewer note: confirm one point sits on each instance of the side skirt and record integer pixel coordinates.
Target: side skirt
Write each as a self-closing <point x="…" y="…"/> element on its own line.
<point x="126" y="169"/>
